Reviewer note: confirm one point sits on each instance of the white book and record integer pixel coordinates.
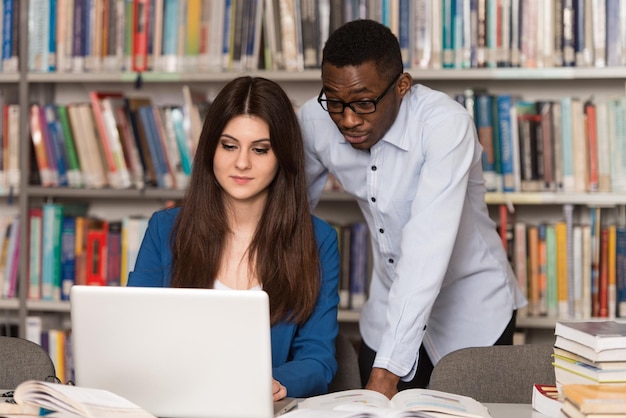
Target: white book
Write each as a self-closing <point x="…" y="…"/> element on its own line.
<point x="546" y="47"/>
<point x="363" y="402"/>
<point x="435" y="36"/>
<point x="421" y="36"/>
<point x="579" y="146"/>
<point x="157" y="36"/>
<point x="38" y="33"/>
<point x="33" y="329"/>
<point x="12" y="164"/>
<point x="598" y="18"/>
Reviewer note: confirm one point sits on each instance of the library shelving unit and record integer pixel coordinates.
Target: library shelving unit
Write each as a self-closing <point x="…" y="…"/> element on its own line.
<point x="528" y="83"/>
<point x="549" y="83"/>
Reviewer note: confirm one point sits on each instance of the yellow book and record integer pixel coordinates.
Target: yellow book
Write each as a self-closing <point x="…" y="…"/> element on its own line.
<point x="561" y="268"/>
<point x="597" y="398"/>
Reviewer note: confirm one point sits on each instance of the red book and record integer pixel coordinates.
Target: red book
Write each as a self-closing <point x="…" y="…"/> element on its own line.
<point x="592" y="146"/>
<point x="141" y="14"/>
<point x="97" y="257"/>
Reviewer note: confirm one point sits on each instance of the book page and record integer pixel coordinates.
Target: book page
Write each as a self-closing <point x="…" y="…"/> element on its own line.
<point x="347" y="397"/>
<point x="79" y="401"/>
<point x="436" y="401"/>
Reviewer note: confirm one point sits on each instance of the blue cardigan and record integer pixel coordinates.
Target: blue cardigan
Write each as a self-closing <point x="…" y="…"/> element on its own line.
<point x="303" y="357"/>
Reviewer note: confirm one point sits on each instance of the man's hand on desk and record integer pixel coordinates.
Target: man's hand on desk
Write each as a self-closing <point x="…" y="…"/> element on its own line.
<point x="383" y="381"/>
<point x="278" y="390"/>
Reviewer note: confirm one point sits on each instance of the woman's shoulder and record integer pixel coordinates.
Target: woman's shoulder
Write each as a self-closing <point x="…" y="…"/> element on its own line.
<point x="165" y="217"/>
<point x="322" y="228"/>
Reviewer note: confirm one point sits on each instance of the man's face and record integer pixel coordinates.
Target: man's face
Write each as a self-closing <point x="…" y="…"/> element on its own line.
<point x="363" y="83"/>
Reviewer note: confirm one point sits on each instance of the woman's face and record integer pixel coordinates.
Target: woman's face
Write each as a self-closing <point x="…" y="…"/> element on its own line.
<point x="244" y="162"/>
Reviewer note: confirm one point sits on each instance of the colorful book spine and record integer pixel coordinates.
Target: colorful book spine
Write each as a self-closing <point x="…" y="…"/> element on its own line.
<point x="35" y="230"/>
<point x="51" y="252"/>
<point x="68" y="255"/>
<point x="507" y="157"/>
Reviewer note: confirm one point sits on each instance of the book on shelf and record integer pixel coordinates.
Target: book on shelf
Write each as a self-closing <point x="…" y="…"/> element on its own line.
<point x="407" y="403"/>
<point x="594" y="400"/>
<point x="546" y="400"/>
<point x="38" y="398"/>
<point x="597" y="335"/>
<point x="118" y="175"/>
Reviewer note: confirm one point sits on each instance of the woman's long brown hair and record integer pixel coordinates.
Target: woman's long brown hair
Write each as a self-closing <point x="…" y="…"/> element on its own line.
<point x="283" y="247"/>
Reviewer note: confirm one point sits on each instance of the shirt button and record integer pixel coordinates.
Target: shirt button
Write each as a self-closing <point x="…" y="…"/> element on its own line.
<point x="373" y="199"/>
<point x="382" y="231"/>
<point x="374" y="168"/>
<point x="390" y="261"/>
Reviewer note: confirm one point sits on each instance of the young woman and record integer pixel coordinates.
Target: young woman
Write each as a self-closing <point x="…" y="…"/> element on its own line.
<point x="245" y="224"/>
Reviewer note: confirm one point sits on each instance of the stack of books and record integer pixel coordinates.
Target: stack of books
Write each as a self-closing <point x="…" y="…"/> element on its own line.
<point x="590" y="353"/>
<point x="594" y="401"/>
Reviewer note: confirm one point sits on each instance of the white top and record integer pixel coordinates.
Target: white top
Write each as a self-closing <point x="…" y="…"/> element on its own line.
<point x="421" y="191"/>
<point x="221" y="286"/>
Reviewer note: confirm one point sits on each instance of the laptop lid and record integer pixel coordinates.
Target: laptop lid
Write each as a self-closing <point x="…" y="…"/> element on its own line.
<point x="176" y="352"/>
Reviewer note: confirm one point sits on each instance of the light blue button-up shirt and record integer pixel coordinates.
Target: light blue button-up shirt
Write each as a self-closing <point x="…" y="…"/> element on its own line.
<point x="440" y="273"/>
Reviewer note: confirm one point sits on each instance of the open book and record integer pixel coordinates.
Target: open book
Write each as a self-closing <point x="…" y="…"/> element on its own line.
<point x="407" y="403"/>
<point x="38" y="398"/>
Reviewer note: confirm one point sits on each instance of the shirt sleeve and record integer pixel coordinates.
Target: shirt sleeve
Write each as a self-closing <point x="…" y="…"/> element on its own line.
<point x="313" y="365"/>
<point x="427" y="240"/>
<point x="316" y="172"/>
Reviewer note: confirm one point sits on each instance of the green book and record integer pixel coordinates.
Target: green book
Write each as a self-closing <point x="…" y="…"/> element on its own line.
<point x="74" y="173"/>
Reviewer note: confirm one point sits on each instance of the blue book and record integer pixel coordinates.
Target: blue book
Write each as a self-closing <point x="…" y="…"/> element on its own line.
<point x="52" y="36"/>
<point x="68" y="255"/>
<point x="358" y="264"/>
<point x="170" y="33"/>
<point x="613" y="43"/>
<point x="161" y="172"/>
<point x="228" y="15"/>
<point x="55" y="131"/>
<point x="508" y="156"/>
<point x="51" y="151"/>
<point x="484" y="127"/>
<point x="7" y="31"/>
<point x="404" y="32"/>
<point x="447" y="33"/>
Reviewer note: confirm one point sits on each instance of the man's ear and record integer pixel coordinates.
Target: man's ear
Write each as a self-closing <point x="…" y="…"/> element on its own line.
<point x="406" y="81"/>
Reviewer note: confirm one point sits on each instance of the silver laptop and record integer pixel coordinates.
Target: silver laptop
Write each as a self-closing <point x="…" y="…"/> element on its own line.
<point x="176" y="352"/>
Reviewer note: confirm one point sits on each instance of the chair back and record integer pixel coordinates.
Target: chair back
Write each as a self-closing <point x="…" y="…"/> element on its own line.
<point x="347" y="376"/>
<point x="497" y="374"/>
<point x="22" y="360"/>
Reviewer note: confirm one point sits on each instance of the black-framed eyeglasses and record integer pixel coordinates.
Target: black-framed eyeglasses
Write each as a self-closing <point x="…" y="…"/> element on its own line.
<point x="360" y="107"/>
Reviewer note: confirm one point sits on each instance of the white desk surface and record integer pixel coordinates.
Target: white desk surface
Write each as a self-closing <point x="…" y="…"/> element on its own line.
<point x="513" y="410"/>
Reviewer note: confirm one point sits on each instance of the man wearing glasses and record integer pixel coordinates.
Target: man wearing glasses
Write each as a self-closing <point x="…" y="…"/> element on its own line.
<point x="410" y="156"/>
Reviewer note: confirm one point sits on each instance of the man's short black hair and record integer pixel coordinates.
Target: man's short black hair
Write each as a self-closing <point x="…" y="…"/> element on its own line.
<point x="361" y="41"/>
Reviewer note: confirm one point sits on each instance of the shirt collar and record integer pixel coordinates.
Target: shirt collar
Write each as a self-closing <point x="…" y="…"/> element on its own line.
<point x="397" y="134"/>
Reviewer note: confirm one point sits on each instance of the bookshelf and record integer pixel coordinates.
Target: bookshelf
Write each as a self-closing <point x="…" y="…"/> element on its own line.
<point x="529" y="83"/>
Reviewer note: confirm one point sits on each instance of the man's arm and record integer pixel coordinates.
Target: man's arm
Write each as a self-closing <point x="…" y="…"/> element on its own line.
<point x="383" y="381"/>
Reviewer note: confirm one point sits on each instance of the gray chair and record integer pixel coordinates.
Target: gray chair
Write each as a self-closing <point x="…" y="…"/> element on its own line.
<point x="498" y="374"/>
<point x="348" y="376"/>
<point x="22" y="360"/>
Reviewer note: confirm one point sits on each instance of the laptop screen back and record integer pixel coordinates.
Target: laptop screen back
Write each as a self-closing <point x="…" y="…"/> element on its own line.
<point x="176" y="352"/>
